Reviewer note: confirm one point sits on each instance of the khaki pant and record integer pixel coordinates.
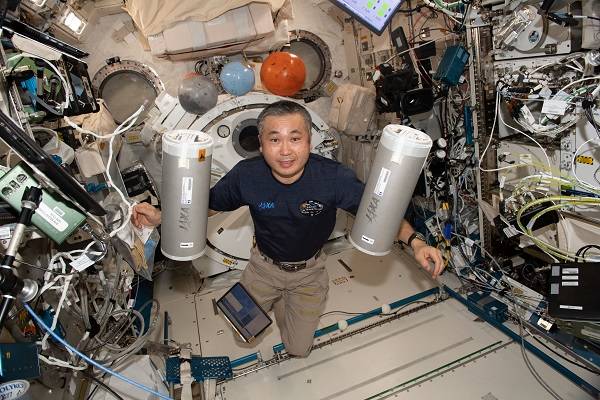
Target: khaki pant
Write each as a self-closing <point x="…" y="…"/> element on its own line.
<point x="297" y="298"/>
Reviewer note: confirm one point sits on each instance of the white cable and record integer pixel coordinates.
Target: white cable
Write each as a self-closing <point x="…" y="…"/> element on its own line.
<point x="123" y="127"/>
<point x="482" y="155"/>
<point x="10" y="152"/>
<point x="530" y="138"/>
<point x="132" y="119"/>
<point x="573" y="162"/>
<point x="63" y="296"/>
<point x="66" y="86"/>
<point x="591" y="78"/>
<point x="61" y="363"/>
<point x="88" y="359"/>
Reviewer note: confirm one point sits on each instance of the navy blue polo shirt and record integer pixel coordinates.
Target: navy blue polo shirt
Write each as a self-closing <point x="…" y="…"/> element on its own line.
<point x="291" y="222"/>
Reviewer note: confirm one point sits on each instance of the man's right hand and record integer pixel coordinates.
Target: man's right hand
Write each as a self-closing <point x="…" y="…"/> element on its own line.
<point x="145" y="215"/>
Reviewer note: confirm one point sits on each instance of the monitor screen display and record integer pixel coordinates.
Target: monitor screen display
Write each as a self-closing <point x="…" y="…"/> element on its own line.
<point x="374" y="14"/>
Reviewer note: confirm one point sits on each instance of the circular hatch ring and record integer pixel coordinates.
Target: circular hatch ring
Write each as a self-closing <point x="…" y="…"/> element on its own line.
<point x="109" y="82"/>
<point x="317" y="59"/>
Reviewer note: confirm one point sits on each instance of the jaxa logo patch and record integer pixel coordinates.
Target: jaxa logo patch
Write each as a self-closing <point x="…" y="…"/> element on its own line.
<point x="311" y="208"/>
<point x="266" y="205"/>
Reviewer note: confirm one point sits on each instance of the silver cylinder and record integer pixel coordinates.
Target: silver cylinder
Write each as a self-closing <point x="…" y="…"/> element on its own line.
<point x="394" y="174"/>
<point x="186" y="162"/>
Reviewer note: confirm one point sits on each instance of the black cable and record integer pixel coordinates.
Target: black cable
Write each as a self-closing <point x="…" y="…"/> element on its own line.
<point x="42" y="268"/>
<point x="384" y="314"/>
<point x="582" y="251"/>
<point x="462" y="24"/>
<point x="564" y="358"/>
<point x="104" y="386"/>
<point x="590" y="116"/>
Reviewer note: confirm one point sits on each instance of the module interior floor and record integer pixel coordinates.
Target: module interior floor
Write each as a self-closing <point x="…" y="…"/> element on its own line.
<point x="442" y="350"/>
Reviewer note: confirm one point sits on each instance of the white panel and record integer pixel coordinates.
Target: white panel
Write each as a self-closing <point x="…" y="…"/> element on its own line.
<point x="408" y="358"/>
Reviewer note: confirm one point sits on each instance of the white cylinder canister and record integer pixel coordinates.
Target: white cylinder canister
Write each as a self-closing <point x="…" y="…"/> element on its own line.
<point x="186" y="164"/>
<point x="398" y="163"/>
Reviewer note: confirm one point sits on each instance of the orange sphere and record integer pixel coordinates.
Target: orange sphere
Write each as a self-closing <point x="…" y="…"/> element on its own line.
<point x="283" y="73"/>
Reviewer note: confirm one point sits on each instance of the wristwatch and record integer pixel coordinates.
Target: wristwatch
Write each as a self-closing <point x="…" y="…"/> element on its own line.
<point x="415" y="235"/>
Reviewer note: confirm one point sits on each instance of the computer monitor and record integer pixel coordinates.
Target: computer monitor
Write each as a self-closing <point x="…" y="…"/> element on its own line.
<point x="36" y="157"/>
<point x="15" y="26"/>
<point x="374" y="14"/>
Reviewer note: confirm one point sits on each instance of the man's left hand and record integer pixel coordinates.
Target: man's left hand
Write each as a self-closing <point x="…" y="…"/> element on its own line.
<point x="429" y="257"/>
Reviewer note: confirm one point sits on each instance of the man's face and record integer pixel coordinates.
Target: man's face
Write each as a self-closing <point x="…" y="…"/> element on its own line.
<point x="285" y="146"/>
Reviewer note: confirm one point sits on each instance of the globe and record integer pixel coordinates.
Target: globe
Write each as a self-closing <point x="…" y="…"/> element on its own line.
<point x="197" y="94"/>
<point x="283" y="73"/>
<point x="236" y="78"/>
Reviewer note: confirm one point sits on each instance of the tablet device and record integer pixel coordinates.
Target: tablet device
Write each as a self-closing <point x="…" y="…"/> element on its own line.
<point x="243" y="313"/>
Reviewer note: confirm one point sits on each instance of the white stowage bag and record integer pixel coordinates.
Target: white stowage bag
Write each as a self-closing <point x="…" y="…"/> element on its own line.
<point x="154" y="16"/>
<point x="352" y="109"/>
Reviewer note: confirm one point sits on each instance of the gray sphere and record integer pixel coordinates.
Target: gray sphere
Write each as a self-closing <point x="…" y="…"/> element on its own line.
<point x="197" y="94"/>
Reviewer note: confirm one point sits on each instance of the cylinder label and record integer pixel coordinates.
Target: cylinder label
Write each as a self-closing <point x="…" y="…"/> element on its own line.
<point x="384" y="177"/>
<point x="367" y="239"/>
<point x="187" y="184"/>
<point x="186" y="245"/>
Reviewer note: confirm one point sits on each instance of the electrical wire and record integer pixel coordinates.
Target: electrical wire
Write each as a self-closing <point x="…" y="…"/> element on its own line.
<point x="597" y="372"/>
<point x="41" y="268"/>
<point x="528" y="137"/>
<point x="66" y="86"/>
<point x="367" y="312"/>
<point x="416" y="47"/>
<point x="587" y="185"/>
<point x="123" y="127"/>
<point x="57" y="338"/>
<point x="526" y="359"/>
<point x="481" y="157"/>
<point x="104" y="386"/>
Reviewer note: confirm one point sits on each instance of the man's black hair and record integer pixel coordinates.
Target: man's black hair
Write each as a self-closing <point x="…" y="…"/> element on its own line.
<point x="281" y="108"/>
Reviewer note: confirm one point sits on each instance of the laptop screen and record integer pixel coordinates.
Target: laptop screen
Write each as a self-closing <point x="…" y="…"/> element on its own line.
<point x="242" y="311"/>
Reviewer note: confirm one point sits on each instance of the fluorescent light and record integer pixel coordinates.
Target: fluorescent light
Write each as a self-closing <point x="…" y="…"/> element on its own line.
<point x="74" y="22"/>
<point x="39" y="3"/>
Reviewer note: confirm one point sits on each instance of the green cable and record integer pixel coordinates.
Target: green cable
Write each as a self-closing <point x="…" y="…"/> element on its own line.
<point x="566" y="200"/>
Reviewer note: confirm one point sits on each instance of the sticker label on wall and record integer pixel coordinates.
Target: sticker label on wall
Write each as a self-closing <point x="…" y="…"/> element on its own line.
<point x="82" y="263"/>
<point x="187" y="184"/>
<point x="570" y="270"/>
<point x="567" y="307"/>
<point x="184" y="163"/>
<point x="367" y="239"/>
<point x="554" y="107"/>
<point x="51" y="217"/>
<point x="570" y="283"/>
<point x="384" y="177"/>
<point x="186" y="245"/>
<point x="570" y="277"/>
<point x="510" y="231"/>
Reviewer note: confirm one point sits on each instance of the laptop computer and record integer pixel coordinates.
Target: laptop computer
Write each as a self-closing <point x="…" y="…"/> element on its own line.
<point x="244" y="314"/>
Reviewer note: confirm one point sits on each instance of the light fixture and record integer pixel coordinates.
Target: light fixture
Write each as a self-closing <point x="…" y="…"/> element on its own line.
<point x="73" y="21"/>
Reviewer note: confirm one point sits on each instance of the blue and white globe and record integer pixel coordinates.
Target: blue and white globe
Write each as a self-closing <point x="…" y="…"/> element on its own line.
<point x="236" y="78"/>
